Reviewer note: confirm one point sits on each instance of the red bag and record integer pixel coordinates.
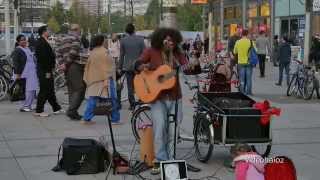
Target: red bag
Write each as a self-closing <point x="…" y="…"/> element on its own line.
<point x="282" y="168"/>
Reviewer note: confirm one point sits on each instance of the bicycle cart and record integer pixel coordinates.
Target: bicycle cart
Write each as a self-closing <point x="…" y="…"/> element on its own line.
<point x="226" y="119"/>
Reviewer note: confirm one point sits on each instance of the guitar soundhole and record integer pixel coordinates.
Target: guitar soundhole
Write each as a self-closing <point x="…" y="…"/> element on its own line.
<point x="161" y="78"/>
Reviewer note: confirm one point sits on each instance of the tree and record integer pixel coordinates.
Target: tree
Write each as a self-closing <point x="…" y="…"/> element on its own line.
<point x="189" y="17"/>
<point x="152" y="15"/>
<point x="58" y="12"/>
<point x="139" y="22"/>
<point x="54" y="25"/>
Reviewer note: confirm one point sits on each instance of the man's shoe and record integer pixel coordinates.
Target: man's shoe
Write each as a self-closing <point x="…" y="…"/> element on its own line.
<point x="75" y="117"/>
<point x="84" y="122"/>
<point x="25" y="110"/>
<point x="278" y="84"/>
<point x="43" y="114"/>
<point x="116" y="123"/>
<point x="61" y="111"/>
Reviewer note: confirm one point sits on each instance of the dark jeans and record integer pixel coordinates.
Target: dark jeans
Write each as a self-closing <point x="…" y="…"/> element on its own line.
<point x="262" y="64"/>
<point x="285" y="67"/>
<point x="46" y="93"/>
<point x="76" y="88"/>
<point x="129" y="77"/>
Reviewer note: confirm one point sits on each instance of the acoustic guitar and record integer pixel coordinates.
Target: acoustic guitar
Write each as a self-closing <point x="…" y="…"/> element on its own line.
<point x="149" y="84"/>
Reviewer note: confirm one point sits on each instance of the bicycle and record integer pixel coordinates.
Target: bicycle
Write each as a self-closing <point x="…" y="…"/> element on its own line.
<point x="5" y="76"/>
<point x="311" y="84"/>
<point x="296" y="84"/>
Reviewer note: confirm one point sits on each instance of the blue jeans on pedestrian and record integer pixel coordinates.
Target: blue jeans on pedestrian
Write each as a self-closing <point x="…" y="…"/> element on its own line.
<point x="163" y="127"/>
<point x="285" y="67"/>
<point x="91" y="104"/>
<point x="245" y="76"/>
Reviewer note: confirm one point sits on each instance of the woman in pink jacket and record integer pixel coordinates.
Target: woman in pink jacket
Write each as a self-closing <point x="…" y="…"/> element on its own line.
<point x="248" y="165"/>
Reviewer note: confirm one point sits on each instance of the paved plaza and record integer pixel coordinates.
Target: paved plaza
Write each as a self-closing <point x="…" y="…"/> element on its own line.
<point x="29" y="145"/>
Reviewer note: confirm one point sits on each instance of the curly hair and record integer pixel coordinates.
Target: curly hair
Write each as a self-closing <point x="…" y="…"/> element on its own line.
<point x="160" y="34"/>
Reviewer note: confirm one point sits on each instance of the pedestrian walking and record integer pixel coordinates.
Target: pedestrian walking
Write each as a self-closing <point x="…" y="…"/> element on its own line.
<point x="284" y="58"/>
<point x="114" y="49"/>
<point x="24" y="65"/>
<point x="241" y="50"/>
<point x="46" y="61"/>
<point x="98" y="72"/>
<point x="262" y="45"/>
<point x="131" y="47"/>
<point x="197" y="46"/>
<point x="72" y="56"/>
<point x="315" y="51"/>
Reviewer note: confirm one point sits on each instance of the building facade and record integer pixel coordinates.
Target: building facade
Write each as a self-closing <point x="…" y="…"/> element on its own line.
<point x="95" y="7"/>
<point x="32" y="13"/>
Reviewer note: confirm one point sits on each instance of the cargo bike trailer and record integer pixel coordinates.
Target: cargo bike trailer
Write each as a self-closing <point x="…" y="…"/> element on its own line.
<point x="225" y="119"/>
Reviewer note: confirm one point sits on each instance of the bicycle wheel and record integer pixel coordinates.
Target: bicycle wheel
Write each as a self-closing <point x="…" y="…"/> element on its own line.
<point x="293" y="88"/>
<point x="203" y="138"/>
<point x="262" y="150"/>
<point x="308" y="87"/>
<point x="4" y="88"/>
<point x="140" y="116"/>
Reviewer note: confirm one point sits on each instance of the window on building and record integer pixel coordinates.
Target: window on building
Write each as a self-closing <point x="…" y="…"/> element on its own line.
<point x="237" y="12"/>
<point x="229" y="13"/>
<point x="253" y="10"/>
<point x="265" y="9"/>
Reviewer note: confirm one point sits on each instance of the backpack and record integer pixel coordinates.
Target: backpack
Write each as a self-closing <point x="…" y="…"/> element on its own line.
<point x="252" y="54"/>
<point x="282" y="168"/>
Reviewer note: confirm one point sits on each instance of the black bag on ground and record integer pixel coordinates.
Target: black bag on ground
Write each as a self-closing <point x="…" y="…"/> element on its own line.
<point x="82" y="156"/>
<point x="17" y="90"/>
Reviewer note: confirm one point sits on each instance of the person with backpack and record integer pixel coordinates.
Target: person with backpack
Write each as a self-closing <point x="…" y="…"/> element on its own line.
<point x="248" y="164"/>
<point x="242" y="51"/>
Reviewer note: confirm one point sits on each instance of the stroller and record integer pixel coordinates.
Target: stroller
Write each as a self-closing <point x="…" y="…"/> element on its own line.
<point x="220" y="78"/>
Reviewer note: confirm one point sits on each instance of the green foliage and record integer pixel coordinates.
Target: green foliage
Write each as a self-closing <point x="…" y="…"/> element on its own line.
<point x="152" y="15"/>
<point x="188" y="16"/>
<point x="54" y="25"/>
<point x="58" y="13"/>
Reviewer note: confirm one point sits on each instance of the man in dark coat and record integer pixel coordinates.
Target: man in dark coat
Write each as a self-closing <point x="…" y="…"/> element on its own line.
<point x="284" y="57"/>
<point x="45" y="68"/>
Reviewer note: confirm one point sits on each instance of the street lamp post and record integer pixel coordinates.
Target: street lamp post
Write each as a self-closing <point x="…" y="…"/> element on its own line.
<point x="308" y="31"/>
<point x="7" y="25"/>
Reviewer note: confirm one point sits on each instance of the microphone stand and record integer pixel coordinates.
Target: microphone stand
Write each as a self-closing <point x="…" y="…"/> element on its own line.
<point x="175" y="119"/>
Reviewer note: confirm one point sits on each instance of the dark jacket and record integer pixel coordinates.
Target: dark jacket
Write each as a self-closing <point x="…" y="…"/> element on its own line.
<point x="131" y="47"/>
<point x="45" y="57"/>
<point x="19" y="59"/>
<point x="284" y="55"/>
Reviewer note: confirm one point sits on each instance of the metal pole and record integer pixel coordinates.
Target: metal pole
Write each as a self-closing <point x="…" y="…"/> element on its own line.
<point x="16" y="23"/>
<point x="131" y="4"/>
<point x="7" y="26"/>
<point x="210" y="29"/>
<point x="272" y="21"/>
<point x="221" y="19"/>
<point x="109" y="16"/>
<point x="308" y="31"/>
<point x="244" y="14"/>
<point x="31" y="16"/>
